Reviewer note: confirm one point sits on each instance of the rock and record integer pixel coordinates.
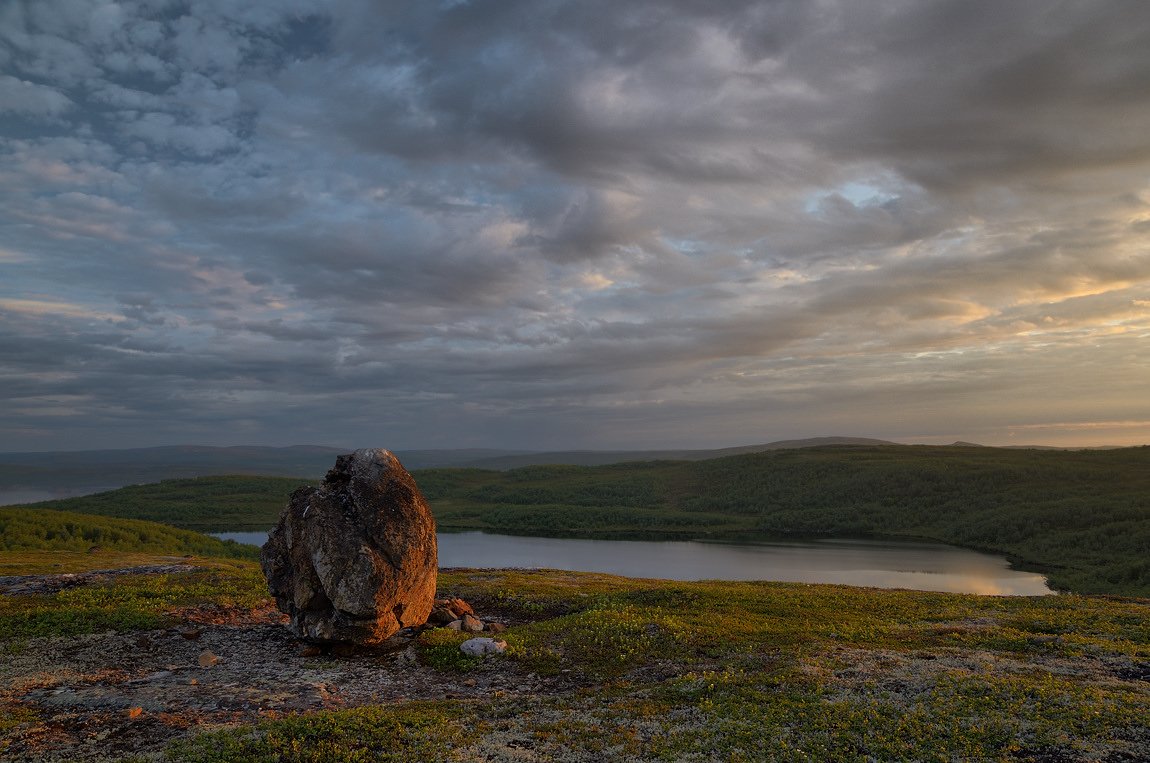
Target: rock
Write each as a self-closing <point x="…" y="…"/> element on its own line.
<point x="496" y="627"/>
<point x="459" y="607"/>
<point x="207" y="659"/>
<point x="191" y="634"/>
<point x="455" y="625"/>
<point x="481" y="647"/>
<point x="354" y="560"/>
<point x="398" y="642"/>
<point x="441" y="616"/>
<point x="472" y="624"/>
<point x="310" y="651"/>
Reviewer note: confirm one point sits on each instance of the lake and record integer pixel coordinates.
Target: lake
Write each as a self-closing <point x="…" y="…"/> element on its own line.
<point x="881" y="564"/>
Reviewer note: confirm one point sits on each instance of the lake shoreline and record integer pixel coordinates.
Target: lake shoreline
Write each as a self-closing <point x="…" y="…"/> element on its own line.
<point x="881" y="563"/>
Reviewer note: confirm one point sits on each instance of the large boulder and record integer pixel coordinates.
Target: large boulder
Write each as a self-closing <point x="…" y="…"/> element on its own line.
<point x="354" y="560"/>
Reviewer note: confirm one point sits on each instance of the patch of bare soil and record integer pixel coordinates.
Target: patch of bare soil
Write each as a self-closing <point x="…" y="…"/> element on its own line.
<point x="108" y="695"/>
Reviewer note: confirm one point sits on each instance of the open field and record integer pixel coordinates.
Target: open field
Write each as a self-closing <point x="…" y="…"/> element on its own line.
<point x="598" y="669"/>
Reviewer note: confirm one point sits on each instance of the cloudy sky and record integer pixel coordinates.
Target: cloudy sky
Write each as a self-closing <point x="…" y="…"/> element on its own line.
<point x="549" y="224"/>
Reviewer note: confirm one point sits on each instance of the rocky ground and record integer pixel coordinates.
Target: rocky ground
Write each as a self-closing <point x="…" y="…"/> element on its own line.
<point x="108" y="695"/>
<point x="710" y="666"/>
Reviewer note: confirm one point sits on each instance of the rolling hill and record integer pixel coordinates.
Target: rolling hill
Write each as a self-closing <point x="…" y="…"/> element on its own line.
<point x="1081" y="517"/>
<point x="90" y="471"/>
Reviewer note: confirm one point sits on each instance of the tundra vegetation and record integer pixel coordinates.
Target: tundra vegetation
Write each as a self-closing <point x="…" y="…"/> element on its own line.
<point x="657" y="670"/>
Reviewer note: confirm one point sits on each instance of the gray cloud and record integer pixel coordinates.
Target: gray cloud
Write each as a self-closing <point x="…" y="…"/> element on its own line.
<point x="572" y="224"/>
<point x="22" y="97"/>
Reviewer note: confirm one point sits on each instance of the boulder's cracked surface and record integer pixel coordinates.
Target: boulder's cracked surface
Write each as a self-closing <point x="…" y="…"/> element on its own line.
<point x="354" y="559"/>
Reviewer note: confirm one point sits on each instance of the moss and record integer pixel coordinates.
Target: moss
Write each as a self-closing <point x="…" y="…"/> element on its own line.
<point x="415" y="731"/>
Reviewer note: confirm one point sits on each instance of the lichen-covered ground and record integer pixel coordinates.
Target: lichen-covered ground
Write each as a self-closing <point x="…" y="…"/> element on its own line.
<point x="598" y="669"/>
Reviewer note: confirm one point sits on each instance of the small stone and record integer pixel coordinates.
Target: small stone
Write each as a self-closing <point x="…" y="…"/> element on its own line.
<point x="310" y="651"/>
<point x="496" y="627"/>
<point x="207" y="659"/>
<point x="470" y="682"/>
<point x="472" y="624"/>
<point x="192" y="634"/>
<point x="194" y="682"/>
<point x="343" y="649"/>
<point x="455" y="625"/>
<point x="135" y="712"/>
<point x="441" y="616"/>
<point x="481" y="647"/>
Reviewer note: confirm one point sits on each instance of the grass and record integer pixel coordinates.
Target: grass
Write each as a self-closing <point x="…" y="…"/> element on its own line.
<point x="48" y="562"/>
<point x="130" y="602"/>
<point x="38" y="542"/>
<point x="752" y="672"/>
<point x="668" y="671"/>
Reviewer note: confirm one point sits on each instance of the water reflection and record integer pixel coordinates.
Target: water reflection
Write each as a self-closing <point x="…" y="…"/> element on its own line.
<point x="882" y="564"/>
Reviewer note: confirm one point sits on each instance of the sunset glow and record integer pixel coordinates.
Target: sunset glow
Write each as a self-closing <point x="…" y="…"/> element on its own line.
<point x="573" y="225"/>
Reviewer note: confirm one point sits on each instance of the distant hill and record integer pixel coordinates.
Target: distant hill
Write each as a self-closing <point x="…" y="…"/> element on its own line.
<point x="23" y="475"/>
<point x="27" y="477"/>
<point x="1058" y="447"/>
<point x="605" y="457"/>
